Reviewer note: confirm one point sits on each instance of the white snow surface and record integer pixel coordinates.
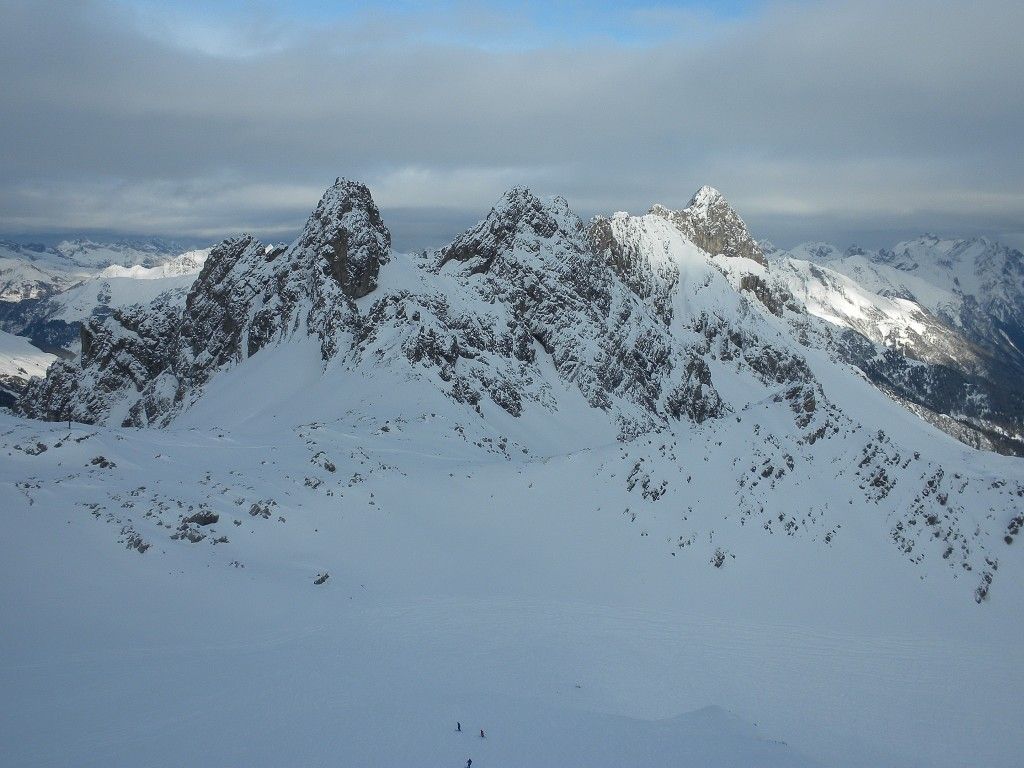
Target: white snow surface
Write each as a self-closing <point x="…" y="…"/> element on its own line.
<point x="528" y="593"/>
<point x="20" y="359"/>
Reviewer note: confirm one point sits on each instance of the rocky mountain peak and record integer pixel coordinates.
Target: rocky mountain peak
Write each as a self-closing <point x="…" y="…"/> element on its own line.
<point x="543" y="215"/>
<point x="347" y="234"/>
<point x="704" y="199"/>
<point x="521" y="217"/>
<point x="713" y="225"/>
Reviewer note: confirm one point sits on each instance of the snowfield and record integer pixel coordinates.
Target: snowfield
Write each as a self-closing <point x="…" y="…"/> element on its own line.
<point x="510" y="593"/>
<point x="19" y="358"/>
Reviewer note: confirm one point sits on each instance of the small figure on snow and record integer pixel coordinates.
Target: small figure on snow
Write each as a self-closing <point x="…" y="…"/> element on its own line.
<point x="469" y="763"/>
<point x="482" y="734"/>
<point x="458" y="727"/>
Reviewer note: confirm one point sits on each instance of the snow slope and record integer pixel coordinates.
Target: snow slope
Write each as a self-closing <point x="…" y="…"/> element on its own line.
<point x="19" y="361"/>
<point x="515" y="592"/>
<point x="19" y="358"/>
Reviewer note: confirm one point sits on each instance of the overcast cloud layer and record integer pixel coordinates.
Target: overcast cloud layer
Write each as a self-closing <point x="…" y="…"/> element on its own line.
<point x="856" y="121"/>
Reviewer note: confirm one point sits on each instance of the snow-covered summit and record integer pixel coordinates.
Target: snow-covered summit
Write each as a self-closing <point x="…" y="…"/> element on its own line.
<point x="713" y="225"/>
<point x="703" y="200"/>
<point x="517" y="215"/>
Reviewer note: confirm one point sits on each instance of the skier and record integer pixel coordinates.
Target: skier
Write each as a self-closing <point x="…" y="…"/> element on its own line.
<point x="458" y="727"/>
<point x="469" y="763"/>
<point x="482" y="734"/>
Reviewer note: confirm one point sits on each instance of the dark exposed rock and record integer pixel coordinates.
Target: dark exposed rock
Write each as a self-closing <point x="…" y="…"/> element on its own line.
<point x="347" y="233"/>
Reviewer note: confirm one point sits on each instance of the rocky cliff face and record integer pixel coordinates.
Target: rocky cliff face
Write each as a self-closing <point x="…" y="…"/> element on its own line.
<point x="142" y="365"/>
<point x="347" y="234"/>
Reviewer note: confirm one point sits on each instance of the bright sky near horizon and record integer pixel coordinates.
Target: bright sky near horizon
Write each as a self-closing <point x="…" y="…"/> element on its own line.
<point x="841" y="120"/>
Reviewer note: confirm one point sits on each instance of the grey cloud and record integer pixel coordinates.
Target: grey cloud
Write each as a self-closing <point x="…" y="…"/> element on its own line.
<point x="837" y="120"/>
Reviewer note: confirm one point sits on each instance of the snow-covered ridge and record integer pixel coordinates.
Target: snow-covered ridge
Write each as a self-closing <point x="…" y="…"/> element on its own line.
<point x="585" y="293"/>
<point x="558" y="336"/>
<point x="188" y="263"/>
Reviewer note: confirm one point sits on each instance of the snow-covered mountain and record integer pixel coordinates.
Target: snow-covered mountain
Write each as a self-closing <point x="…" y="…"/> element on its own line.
<point x="33" y="270"/>
<point x="22" y="278"/>
<point x="953" y="305"/>
<point x="49" y="296"/>
<point x="975" y="285"/>
<point x="46" y="292"/>
<point x="615" y="329"/>
<point x="634" y="466"/>
<point x="20" y="361"/>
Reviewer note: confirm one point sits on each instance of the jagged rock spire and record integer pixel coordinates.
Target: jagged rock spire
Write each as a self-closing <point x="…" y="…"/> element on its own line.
<point x="347" y="232"/>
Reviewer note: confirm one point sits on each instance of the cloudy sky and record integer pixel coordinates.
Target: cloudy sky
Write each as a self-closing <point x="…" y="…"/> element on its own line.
<point x="859" y="121"/>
